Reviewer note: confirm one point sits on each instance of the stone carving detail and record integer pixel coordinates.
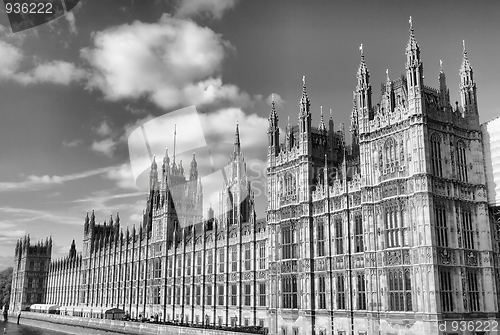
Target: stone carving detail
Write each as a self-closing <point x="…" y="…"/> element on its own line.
<point x="289" y="266"/>
<point x="220" y="278"/>
<point x="393" y="257"/>
<point x="262" y="274"/>
<point x="406" y="257"/>
<point x="471" y="258"/>
<point x="320" y="264"/>
<point x="444" y="256"/>
<point x="234" y="276"/>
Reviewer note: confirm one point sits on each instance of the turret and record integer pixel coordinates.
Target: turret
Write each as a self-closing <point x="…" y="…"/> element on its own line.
<point x="360" y="116"/>
<point x="273" y="130"/>
<point x="305" y="113"/>
<point x="193" y="174"/>
<point x="414" y="68"/>
<point x="72" y="249"/>
<point x="237" y="144"/>
<point x="166" y="165"/>
<point x="468" y="94"/>
<point x="444" y="92"/>
<point x="117" y="222"/>
<point x="322" y="126"/>
<point x="86" y="224"/>
<point x="153" y="174"/>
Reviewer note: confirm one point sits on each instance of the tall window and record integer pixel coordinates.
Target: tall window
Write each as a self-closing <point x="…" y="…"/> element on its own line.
<point x="400" y="290"/>
<point x="461" y="162"/>
<point x="156" y="295"/>
<point x="178" y="295"/>
<point x="234" y="259"/>
<point x="198" y="295"/>
<point x="187" y="294"/>
<point x="437" y="168"/>
<point x="321" y="292"/>
<point x="221" y="260"/>
<point x="361" y="292"/>
<point x="446" y="289"/>
<point x="441" y="224"/>
<point x="210" y="260"/>
<point x="262" y="294"/>
<point x="157" y="268"/>
<point x="170" y="267"/>
<point x="339" y="239"/>
<point x="473" y="288"/>
<point x="393" y="228"/>
<point x="358" y="234"/>
<point x="288" y="243"/>
<point x="467" y="229"/>
<point x="198" y="263"/>
<point x="320" y="245"/>
<point x="248" y="258"/>
<point x="390" y="152"/>
<point x="247" y="294"/>
<point x="290" y="186"/>
<point x="169" y="295"/>
<point x="208" y="294"/>
<point x="221" y="295"/>
<point x="234" y="294"/>
<point x="179" y="266"/>
<point x="289" y="289"/>
<point x="188" y="264"/>
<point x="262" y="255"/>
<point x="340" y="292"/>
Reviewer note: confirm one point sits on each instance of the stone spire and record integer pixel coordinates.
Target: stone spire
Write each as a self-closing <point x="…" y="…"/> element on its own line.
<point x="237" y="144"/>
<point x="305" y="103"/>
<point x="193" y="174"/>
<point x="322" y="125"/>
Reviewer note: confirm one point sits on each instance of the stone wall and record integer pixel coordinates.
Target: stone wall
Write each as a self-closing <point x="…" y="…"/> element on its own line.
<point x="80" y="326"/>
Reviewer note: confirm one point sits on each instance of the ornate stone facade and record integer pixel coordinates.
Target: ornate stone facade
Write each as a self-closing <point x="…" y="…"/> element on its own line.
<point x="393" y="230"/>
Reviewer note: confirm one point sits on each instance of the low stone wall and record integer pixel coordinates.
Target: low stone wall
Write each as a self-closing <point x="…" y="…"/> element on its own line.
<point x="79" y="326"/>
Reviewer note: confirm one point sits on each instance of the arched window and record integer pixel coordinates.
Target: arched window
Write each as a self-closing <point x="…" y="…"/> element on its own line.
<point x="436" y="162"/>
<point x="390" y="152"/>
<point x="290" y="186"/>
<point x="461" y="162"/>
<point x="393" y="227"/>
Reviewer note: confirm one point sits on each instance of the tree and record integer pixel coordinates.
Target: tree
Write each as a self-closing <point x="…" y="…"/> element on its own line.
<point x="5" y="283"/>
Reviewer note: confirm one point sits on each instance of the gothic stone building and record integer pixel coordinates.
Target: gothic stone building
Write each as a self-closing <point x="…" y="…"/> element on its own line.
<point x="394" y="236"/>
<point x="176" y="266"/>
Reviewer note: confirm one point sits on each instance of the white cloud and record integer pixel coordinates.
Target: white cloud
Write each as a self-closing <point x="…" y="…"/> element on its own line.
<point x="103" y="129"/>
<point x="10" y="59"/>
<point x="123" y="177"/>
<point x="19" y="215"/>
<point x="173" y="62"/>
<point x="11" y="236"/>
<point x="189" y="8"/>
<point x="37" y="182"/>
<point x="55" y="72"/>
<point x="72" y="143"/>
<point x="72" y="22"/>
<point x="106" y="146"/>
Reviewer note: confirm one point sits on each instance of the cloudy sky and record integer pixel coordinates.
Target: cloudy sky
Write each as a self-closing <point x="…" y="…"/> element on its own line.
<point x="73" y="90"/>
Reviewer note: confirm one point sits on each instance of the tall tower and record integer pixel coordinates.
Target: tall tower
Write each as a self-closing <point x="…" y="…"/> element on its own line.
<point x="29" y="277"/>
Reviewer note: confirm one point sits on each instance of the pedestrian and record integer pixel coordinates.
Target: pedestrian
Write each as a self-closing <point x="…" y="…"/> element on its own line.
<point x="5" y="314"/>
<point x="18" y="317"/>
